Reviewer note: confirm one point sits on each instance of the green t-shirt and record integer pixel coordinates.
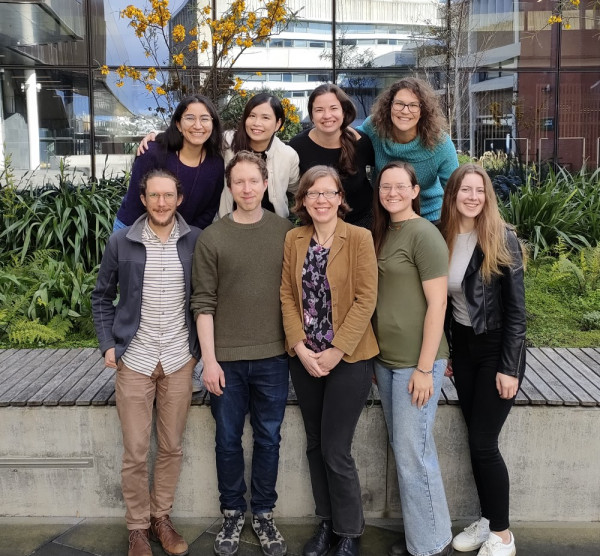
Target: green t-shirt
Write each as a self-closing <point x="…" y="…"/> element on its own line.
<point x="409" y="256"/>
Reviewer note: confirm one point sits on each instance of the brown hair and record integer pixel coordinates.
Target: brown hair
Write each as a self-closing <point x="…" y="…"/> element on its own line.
<point x="489" y="225"/>
<point x="381" y="216"/>
<point x="246" y="156"/>
<point x="307" y="181"/>
<point x="432" y="122"/>
<point x="347" y="161"/>
<point x="160" y="173"/>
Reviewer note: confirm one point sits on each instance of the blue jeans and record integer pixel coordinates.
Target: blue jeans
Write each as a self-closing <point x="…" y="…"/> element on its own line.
<point x="261" y="388"/>
<point x="424" y="507"/>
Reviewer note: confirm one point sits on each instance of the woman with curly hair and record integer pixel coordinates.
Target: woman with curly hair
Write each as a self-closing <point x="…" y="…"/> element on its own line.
<point x="332" y="142"/>
<point x="486" y="328"/>
<point x="407" y="124"/>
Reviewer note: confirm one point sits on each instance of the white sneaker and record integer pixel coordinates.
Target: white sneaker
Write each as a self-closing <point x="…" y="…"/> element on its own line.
<point x="197" y="383"/>
<point x="473" y="536"/>
<point x="495" y="547"/>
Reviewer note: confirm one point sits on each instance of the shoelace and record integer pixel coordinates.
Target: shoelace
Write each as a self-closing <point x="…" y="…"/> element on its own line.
<point x="158" y="525"/>
<point x="135" y="535"/>
<point x="267" y="526"/>
<point x="229" y="525"/>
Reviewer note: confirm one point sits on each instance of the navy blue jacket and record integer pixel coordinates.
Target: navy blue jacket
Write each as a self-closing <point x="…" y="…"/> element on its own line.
<point x="122" y="272"/>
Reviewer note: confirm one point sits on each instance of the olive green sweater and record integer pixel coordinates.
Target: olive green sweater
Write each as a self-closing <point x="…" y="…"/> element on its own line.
<point x="236" y="276"/>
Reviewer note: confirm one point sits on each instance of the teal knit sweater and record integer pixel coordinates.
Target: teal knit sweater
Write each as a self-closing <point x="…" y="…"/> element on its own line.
<point x="433" y="166"/>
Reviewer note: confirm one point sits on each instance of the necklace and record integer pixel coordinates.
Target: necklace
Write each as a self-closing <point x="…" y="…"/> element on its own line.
<point x="322" y="243"/>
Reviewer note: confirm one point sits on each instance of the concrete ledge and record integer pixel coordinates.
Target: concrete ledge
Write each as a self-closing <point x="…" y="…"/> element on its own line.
<point x="65" y="461"/>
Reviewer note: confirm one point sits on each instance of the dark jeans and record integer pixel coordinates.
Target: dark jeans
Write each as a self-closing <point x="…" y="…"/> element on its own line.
<point x="475" y="363"/>
<point x="260" y="387"/>
<point x="331" y="407"/>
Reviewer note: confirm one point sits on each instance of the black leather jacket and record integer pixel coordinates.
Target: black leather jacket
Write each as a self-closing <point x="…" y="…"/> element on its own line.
<point x="499" y="304"/>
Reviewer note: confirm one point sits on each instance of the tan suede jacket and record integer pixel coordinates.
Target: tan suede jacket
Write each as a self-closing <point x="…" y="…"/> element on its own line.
<point x="352" y="276"/>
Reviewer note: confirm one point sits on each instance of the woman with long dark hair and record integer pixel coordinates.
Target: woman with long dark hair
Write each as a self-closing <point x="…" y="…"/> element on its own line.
<point x="486" y="328"/>
<point x="332" y="142"/>
<point x="190" y="148"/>
<point x="409" y="325"/>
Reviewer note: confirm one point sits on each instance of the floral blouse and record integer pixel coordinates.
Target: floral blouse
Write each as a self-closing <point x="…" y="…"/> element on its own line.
<point x="316" y="299"/>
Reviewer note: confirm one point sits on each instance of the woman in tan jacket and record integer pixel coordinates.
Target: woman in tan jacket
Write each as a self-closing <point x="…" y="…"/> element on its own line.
<point x="328" y="295"/>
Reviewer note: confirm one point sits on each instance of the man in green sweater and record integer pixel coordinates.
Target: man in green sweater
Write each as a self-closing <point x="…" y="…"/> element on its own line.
<point x="235" y="300"/>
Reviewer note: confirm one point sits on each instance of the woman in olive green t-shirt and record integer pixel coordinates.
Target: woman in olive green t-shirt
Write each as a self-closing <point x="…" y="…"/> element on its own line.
<point x="413" y="266"/>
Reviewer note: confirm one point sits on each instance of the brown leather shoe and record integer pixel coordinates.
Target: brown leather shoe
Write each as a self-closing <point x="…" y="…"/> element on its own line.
<point x="138" y="543"/>
<point x="163" y="531"/>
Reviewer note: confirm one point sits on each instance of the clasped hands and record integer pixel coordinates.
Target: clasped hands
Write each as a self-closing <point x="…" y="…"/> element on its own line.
<point x="318" y="364"/>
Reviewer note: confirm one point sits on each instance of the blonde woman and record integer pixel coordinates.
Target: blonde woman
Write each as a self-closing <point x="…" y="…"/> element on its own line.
<point x="487" y="335"/>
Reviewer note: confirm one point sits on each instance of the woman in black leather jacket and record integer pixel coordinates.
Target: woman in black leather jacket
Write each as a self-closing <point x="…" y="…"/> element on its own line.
<point x="486" y="331"/>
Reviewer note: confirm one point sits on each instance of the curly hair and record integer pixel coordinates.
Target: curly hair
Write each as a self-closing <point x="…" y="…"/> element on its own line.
<point x="347" y="163"/>
<point x="246" y="156"/>
<point x="307" y="180"/>
<point x="489" y="225"/>
<point x="432" y="122"/>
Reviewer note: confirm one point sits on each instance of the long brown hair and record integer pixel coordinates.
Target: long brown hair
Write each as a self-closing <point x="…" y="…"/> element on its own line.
<point x="489" y="225"/>
<point x="347" y="162"/>
<point x="432" y="122"/>
<point x="381" y="217"/>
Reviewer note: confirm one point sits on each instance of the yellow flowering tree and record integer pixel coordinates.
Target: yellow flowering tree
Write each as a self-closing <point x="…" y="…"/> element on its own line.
<point x="569" y="13"/>
<point x="210" y="45"/>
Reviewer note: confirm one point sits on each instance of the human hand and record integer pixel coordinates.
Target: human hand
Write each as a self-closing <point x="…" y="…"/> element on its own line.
<point x="143" y="146"/>
<point x="421" y="388"/>
<point x="507" y="386"/>
<point x="109" y="358"/>
<point x="309" y="360"/>
<point x="329" y="358"/>
<point x="213" y="377"/>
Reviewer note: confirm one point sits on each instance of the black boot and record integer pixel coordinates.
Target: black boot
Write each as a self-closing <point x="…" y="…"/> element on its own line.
<point x="323" y="539"/>
<point x="348" y="546"/>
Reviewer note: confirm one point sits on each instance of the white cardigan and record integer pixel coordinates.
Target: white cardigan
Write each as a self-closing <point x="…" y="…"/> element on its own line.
<point x="282" y="166"/>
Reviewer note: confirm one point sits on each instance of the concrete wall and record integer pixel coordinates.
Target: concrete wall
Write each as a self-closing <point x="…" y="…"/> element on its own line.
<point x="65" y="461"/>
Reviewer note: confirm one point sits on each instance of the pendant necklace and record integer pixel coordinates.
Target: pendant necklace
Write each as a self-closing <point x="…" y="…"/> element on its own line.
<point x="322" y="244"/>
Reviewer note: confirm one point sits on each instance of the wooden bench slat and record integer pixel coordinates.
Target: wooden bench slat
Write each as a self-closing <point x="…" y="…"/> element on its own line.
<point x="25" y="372"/>
<point x="199" y="398"/>
<point x="95" y="385"/>
<point x="13" y="363"/>
<point x="533" y="394"/>
<point x="570" y="391"/>
<point x="6" y="353"/>
<point x="106" y="392"/>
<point x="590" y="357"/>
<point x="449" y="391"/>
<point x="537" y="374"/>
<point x="581" y="373"/>
<point x="44" y="372"/>
<point x="79" y="380"/>
<point x="76" y="358"/>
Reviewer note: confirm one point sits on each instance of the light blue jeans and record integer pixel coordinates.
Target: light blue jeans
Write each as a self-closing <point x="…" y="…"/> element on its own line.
<point x="424" y="507"/>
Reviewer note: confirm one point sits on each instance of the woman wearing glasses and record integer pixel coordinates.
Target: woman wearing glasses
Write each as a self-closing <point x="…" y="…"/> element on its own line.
<point x="409" y="325"/>
<point x="328" y="294"/>
<point x="407" y="124"/>
<point x="332" y="142"/>
<point x="190" y="148"/>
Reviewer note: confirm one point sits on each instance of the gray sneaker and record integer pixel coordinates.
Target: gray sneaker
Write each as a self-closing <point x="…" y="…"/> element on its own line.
<point x="271" y="541"/>
<point x="228" y="538"/>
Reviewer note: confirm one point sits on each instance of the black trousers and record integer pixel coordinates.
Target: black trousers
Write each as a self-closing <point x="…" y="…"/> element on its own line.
<point x="475" y="363"/>
<point x="331" y="407"/>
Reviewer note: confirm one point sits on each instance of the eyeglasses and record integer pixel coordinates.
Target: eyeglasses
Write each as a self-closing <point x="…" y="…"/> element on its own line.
<point x="168" y="197"/>
<point x="400" y="188"/>
<point x="190" y="120"/>
<point x="413" y="107"/>
<point x="316" y="194"/>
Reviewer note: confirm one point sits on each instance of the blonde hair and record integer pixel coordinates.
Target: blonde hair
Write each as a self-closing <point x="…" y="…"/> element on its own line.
<point x="489" y="225"/>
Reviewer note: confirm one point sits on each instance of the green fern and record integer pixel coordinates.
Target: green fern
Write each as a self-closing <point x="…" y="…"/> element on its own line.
<point x="25" y="332"/>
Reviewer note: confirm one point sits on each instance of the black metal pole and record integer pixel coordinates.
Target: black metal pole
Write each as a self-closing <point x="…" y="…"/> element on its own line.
<point x="557" y="59"/>
<point x="90" y="71"/>
<point x="333" y="41"/>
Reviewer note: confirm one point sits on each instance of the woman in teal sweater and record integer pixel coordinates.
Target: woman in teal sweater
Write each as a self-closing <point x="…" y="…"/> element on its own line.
<point x="407" y="125"/>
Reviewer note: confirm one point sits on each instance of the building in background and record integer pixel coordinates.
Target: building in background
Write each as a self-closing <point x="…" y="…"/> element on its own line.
<point x="508" y="79"/>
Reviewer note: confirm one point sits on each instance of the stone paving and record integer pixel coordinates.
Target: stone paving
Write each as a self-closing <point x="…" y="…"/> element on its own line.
<point x="108" y="537"/>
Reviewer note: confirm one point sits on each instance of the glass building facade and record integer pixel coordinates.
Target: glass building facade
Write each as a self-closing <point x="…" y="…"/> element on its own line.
<point x="509" y="81"/>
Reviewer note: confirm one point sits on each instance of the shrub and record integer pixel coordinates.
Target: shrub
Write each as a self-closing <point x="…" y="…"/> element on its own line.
<point x="590" y="321"/>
